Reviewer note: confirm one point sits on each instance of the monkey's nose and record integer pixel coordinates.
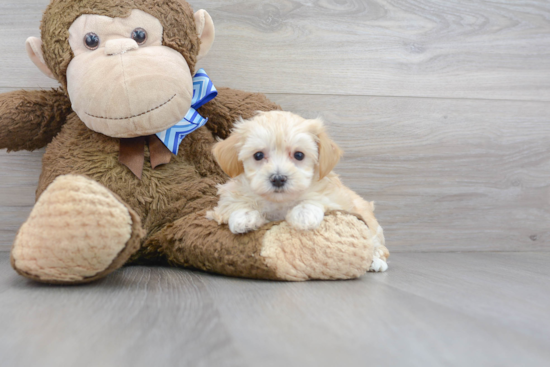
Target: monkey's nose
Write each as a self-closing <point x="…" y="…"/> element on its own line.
<point x="120" y="46"/>
<point x="278" y="180"/>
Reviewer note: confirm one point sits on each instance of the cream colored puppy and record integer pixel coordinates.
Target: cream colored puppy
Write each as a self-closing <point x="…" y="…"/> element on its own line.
<point x="281" y="168"/>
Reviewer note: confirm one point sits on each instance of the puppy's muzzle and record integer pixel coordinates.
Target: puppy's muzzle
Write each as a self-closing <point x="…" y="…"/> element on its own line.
<point x="278" y="181"/>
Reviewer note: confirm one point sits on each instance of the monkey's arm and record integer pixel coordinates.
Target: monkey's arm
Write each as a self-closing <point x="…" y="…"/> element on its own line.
<point x="29" y="120"/>
<point x="231" y="104"/>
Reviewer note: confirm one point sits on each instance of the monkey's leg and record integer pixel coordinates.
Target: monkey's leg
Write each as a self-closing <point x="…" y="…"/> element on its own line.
<point x="77" y="232"/>
<point x="341" y="248"/>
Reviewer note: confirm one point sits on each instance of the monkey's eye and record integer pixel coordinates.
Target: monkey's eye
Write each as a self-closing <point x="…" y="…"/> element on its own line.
<point x="139" y="35"/>
<point x="91" y="41"/>
<point x="299" y="156"/>
<point x="258" y="156"/>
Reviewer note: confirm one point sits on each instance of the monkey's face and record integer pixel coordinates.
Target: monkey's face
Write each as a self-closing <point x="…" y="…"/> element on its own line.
<point x="122" y="81"/>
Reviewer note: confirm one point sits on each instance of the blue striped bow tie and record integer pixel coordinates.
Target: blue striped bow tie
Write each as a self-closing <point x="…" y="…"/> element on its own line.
<point x="203" y="92"/>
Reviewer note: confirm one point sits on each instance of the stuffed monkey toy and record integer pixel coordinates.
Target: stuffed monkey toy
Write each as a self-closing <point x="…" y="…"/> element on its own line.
<point x="120" y="183"/>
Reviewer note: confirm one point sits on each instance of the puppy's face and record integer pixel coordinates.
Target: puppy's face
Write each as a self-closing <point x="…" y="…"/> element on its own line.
<point x="279" y="159"/>
<point x="279" y="153"/>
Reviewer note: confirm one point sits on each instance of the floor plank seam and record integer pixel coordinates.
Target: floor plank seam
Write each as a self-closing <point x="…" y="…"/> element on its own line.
<point x="541" y="251"/>
<point x="399" y="96"/>
<point x="353" y="95"/>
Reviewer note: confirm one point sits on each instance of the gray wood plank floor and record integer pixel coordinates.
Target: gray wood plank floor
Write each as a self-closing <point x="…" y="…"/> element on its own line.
<point x="430" y="309"/>
<point x="442" y="108"/>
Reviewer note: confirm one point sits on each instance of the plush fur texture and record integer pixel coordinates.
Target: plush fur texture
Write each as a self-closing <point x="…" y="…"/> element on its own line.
<point x="74" y="220"/>
<point x="176" y="17"/>
<point x="132" y="95"/>
<point x="30" y="119"/>
<point x="167" y="206"/>
<point x="295" y="255"/>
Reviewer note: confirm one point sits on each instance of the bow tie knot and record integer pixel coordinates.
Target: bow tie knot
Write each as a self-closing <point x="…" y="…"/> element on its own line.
<point x="162" y="145"/>
<point x="203" y="92"/>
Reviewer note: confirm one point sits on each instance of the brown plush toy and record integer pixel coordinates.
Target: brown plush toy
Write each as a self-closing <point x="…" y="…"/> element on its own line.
<point x="110" y="192"/>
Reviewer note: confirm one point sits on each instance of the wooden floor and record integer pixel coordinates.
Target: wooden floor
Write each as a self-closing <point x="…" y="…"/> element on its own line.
<point x="430" y="309"/>
<point x="443" y="110"/>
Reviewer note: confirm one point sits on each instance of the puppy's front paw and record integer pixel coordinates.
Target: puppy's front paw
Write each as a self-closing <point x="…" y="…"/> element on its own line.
<point x="305" y="216"/>
<point x="242" y="221"/>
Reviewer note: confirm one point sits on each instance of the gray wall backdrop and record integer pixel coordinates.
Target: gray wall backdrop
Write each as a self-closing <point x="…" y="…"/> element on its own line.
<point x="442" y="107"/>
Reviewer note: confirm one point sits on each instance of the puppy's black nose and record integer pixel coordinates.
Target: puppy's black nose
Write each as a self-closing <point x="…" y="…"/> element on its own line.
<point x="278" y="180"/>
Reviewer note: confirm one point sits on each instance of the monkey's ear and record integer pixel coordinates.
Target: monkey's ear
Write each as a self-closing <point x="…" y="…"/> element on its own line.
<point x="226" y="153"/>
<point x="206" y="32"/>
<point x="329" y="154"/>
<point x="34" y="50"/>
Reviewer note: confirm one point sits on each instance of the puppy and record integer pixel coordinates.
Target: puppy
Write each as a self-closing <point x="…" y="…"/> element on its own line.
<point x="281" y="168"/>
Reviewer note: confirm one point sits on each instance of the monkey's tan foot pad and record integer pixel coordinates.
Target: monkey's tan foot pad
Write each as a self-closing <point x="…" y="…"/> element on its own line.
<point x="340" y="248"/>
<point x="77" y="232"/>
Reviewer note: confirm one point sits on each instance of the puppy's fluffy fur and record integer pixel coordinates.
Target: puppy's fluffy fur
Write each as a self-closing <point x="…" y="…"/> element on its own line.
<point x="281" y="168"/>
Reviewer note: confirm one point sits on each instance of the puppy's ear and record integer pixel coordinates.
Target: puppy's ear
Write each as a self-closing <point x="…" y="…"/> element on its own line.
<point x="329" y="154"/>
<point x="226" y="153"/>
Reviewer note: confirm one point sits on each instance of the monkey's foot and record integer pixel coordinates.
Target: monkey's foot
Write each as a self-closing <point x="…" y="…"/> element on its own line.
<point x="340" y="248"/>
<point x="77" y="232"/>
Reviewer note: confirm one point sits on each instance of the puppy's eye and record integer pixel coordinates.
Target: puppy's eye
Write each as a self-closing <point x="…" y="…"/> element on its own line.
<point x="258" y="156"/>
<point x="299" y="156"/>
<point x="139" y="35"/>
<point x="91" y="41"/>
